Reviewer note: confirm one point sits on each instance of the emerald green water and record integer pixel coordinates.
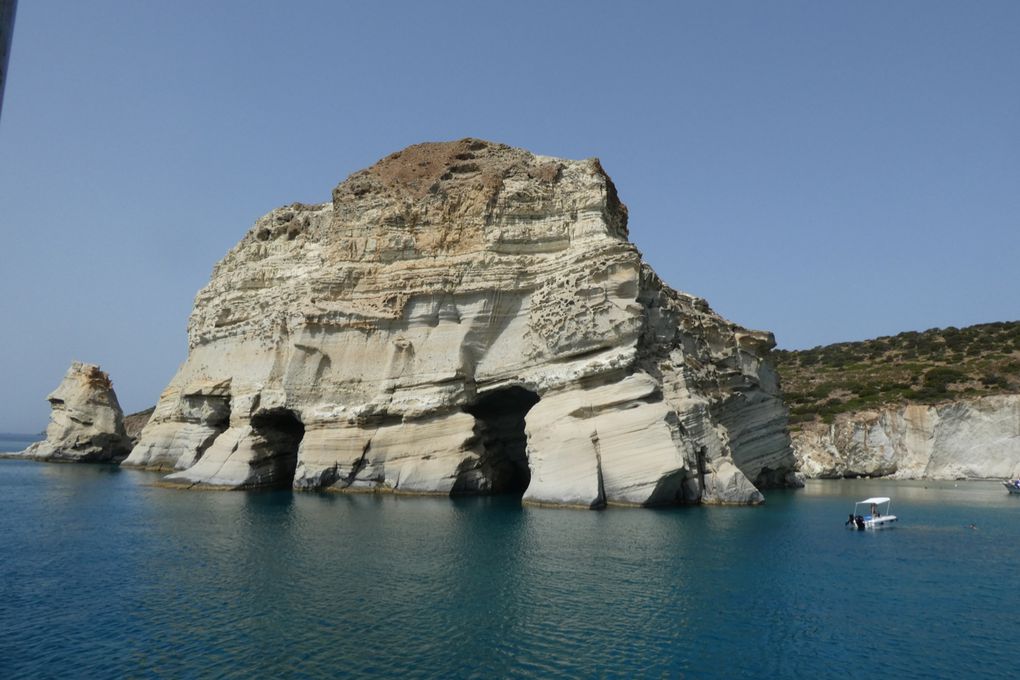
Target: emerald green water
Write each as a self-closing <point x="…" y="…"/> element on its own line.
<point x="103" y="575"/>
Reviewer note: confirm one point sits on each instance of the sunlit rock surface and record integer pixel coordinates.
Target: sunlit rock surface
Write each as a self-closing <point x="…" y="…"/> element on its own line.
<point x="86" y="422"/>
<point x="965" y="439"/>
<point x="462" y="318"/>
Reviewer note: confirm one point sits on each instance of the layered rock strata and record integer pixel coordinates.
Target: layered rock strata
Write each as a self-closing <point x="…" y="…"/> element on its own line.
<point x="965" y="439"/>
<point x="86" y="422"/>
<point x="464" y="318"/>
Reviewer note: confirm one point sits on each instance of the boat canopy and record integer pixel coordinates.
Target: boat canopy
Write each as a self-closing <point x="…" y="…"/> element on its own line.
<point x="875" y="500"/>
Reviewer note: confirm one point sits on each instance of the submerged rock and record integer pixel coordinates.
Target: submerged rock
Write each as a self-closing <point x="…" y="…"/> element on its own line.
<point x="86" y="422"/>
<point x="466" y="317"/>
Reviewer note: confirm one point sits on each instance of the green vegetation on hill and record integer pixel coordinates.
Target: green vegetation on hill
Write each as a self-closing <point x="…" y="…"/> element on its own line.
<point x="926" y="367"/>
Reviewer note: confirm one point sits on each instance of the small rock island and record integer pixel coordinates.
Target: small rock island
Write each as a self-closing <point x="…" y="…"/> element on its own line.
<point x="86" y="422"/>
<point x="466" y="318"/>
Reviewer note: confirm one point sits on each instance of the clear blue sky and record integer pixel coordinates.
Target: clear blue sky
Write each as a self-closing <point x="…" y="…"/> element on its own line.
<point x="825" y="170"/>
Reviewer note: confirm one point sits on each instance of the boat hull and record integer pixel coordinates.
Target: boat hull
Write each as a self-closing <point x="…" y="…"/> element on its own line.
<point x="1011" y="487"/>
<point x="867" y="522"/>
<point x="884" y="522"/>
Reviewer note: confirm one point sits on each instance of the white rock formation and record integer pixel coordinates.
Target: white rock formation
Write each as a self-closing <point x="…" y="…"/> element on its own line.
<point x="966" y="439"/>
<point x="86" y="422"/>
<point x="466" y="317"/>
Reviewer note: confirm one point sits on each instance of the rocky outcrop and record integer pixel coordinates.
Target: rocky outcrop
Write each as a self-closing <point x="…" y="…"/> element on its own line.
<point x="135" y="422"/>
<point x="86" y="422"/>
<point x="965" y="439"/>
<point x="462" y="318"/>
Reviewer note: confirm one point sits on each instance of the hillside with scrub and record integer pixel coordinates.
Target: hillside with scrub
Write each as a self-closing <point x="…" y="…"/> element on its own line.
<point x="927" y="367"/>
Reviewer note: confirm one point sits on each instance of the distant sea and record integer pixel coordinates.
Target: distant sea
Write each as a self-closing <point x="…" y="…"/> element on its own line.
<point x="104" y="575"/>
<point x="17" y="442"/>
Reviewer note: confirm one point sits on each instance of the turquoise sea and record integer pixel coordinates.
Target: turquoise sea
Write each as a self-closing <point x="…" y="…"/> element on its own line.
<point x="104" y="576"/>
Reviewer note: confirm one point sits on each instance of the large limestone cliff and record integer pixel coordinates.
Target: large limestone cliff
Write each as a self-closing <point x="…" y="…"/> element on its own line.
<point x="86" y="422"/>
<point x="466" y="317"/>
<point x="964" y="439"/>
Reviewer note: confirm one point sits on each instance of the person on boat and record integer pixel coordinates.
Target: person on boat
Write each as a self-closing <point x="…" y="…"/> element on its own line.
<point x="874" y="510"/>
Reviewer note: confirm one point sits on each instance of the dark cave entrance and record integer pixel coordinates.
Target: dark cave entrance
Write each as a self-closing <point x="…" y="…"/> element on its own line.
<point x="281" y="432"/>
<point x="503" y="466"/>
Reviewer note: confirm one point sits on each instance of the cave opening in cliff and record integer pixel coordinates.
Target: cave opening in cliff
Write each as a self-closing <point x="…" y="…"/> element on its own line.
<point x="500" y="421"/>
<point x="281" y="432"/>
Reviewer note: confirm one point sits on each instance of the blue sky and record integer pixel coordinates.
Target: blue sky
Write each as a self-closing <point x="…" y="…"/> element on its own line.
<point x="826" y="170"/>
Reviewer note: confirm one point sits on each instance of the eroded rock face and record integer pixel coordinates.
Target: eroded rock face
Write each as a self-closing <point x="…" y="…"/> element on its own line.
<point x="965" y="439"/>
<point x="466" y="317"/>
<point x="86" y="421"/>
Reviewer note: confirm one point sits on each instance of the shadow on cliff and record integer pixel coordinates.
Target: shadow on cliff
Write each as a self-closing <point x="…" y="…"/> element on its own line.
<point x="282" y="432"/>
<point x="503" y="464"/>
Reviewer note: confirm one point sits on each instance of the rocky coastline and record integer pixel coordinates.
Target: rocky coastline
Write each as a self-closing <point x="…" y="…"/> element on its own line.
<point x="966" y="438"/>
<point x="470" y="318"/>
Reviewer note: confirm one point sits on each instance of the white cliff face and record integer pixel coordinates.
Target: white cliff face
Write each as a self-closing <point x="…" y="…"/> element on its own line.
<point x="466" y="317"/>
<point x="86" y="421"/>
<point x="966" y="439"/>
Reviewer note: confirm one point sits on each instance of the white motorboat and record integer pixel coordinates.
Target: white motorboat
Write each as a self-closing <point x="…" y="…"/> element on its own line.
<point x="1012" y="485"/>
<point x="877" y="517"/>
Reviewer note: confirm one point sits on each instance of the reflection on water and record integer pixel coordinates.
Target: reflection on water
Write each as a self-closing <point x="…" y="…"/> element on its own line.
<point x="105" y="575"/>
<point x="924" y="491"/>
